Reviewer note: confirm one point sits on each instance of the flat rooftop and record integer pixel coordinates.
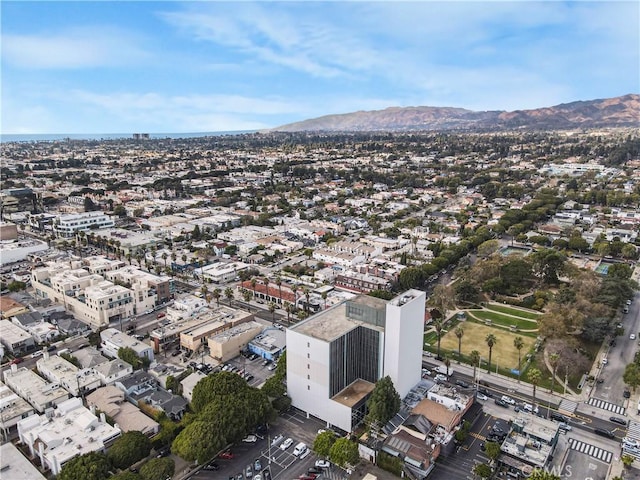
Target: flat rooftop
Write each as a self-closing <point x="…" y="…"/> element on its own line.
<point x="353" y="393"/>
<point x="333" y="322"/>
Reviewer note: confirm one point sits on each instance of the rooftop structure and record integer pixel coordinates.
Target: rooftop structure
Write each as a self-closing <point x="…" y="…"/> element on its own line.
<point x="74" y="380"/>
<point x="128" y="417"/>
<point x="113" y="340"/>
<point x="15" y="339"/>
<point x="13" y="408"/>
<point x="34" y="389"/>
<point x="14" y="465"/>
<point x="70" y="431"/>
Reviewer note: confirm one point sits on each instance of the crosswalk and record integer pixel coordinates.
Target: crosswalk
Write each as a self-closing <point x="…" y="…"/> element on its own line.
<point x="612" y="407"/>
<point x="567" y="407"/>
<point x="591" y="450"/>
<point x="477" y="435"/>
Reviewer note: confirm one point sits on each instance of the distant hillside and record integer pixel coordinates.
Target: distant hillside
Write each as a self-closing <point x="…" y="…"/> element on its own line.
<point x="610" y="112"/>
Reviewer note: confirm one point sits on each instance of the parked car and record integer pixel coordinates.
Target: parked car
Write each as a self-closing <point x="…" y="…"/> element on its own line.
<point x="440" y="378"/>
<point x="630" y="443"/>
<point x="17" y="360"/>
<point x="618" y="420"/>
<point x="276" y="440"/>
<point x="227" y="455"/>
<point x="626" y="394"/>
<point x="250" y="439"/>
<point x="248" y="471"/>
<point x="463" y="384"/>
<point x="527" y="407"/>
<point x="286" y="444"/>
<point x="501" y="403"/>
<point x="211" y="466"/>
<point x="482" y="396"/>
<point x="314" y="470"/>
<point x="160" y="315"/>
<point x="484" y="391"/>
<point x="558" y="417"/>
<point x="257" y="465"/>
<point x="322" y="463"/>
<point x="300" y="449"/>
<point x="272" y="367"/>
<point x="632" y="336"/>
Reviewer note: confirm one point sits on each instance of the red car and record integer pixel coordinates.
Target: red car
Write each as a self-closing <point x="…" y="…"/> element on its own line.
<point x="308" y="476"/>
<point x="228" y="455"/>
<point x="16" y="360"/>
<point x="160" y="315"/>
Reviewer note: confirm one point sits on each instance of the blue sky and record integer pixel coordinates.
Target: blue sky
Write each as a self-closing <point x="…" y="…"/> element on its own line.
<point x="161" y="67"/>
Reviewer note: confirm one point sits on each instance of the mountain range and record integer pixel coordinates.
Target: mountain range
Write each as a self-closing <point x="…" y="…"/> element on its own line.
<point x="621" y="111"/>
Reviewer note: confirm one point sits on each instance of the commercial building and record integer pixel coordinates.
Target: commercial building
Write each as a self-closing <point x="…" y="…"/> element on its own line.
<point x="334" y="358"/>
<point x="269" y="344"/>
<point x="18" y="250"/>
<point x="229" y="343"/>
<point x="221" y="272"/>
<point x="113" y="340"/>
<point x="70" y="431"/>
<point x="34" y="389"/>
<point x="69" y="225"/>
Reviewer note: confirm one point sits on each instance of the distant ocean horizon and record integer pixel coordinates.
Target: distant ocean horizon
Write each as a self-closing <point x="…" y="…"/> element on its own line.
<point x="51" y="137"/>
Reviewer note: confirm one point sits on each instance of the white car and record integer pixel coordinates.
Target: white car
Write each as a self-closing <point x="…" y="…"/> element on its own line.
<point x="250" y="439"/>
<point x="276" y="440"/>
<point x="508" y="399"/>
<point x="482" y="396"/>
<point x="632" y="336"/>
<point x="564" y="426"/>
<point x="630" y="443"/>
<point x="286" y="444"/>
<point x="440" y="378"/>
<point x="323" y="464"/>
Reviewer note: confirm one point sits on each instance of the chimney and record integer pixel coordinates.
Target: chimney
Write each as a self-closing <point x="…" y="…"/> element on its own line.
<point x="14" y="368"/>
<point x="103" y="419"/>
<point x="93" y="409"/>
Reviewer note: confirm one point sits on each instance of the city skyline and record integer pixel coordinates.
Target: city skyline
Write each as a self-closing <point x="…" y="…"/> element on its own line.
<point x="87" y="67"/>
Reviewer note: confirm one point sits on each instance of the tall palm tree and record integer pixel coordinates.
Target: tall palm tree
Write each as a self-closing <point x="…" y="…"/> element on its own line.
<point x="324" y="297"/>
<point x="491" y="341"/>
<point x="279" y="284"/>
<point x="438" y="325"/>
<point x="459" y="331"/>
<point x="204" y="289"/>
<point x="447" y="363"/>
<point x="294" y="289"/>
<point x="307" y="292"/>
<point x="253" y="286"/>
<point x="288" y="308"/>
<point x="165" y="255"/>
<point x="474" y="356"/>
<point x="519" y="343"/>
<point x="272" y="309"/>
<point x="228" y="292"/>
<point x="554" y="359"/>
<point x="216" y="295"/>
<point x="534" y="375"/>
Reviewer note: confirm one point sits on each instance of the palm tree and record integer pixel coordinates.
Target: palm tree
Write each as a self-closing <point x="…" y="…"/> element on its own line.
<point x="266" y="288"/>
<point x="228" y="292"/>
<point x="534" y="375"/>
<point x="288" y="308"/>
<point x="447" y="363"/>
<point x="272" y="309"/>
<point x="216" y="294"/>
<point x="294" y="289"/>
<point x="474" y="356"/>
<point x="279" y="284"/>
<point x="246" y="295"/>
<point x="459" y="331"/>
<point x="164" y="257"/>
<point x="324" y="297"/>
<point x="438" y="325"/>
<point x="307" y="292"/>
<point x="491" y="341"/>
<point x="519" y="343"/>
<point x="253" y="286"/>
<point x="554" y="359"/>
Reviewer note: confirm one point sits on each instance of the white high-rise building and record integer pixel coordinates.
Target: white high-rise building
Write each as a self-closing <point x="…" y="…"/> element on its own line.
<point x="335" y="357"/>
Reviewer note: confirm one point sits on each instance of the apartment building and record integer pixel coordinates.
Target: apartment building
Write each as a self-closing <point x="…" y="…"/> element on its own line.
<point x="12" y="460"/>
<point x="95" y="300"/>
<point x="335" y="357"/>
<point x="34" y="389"/>
<point x="113" y="340"/>
<point x="69" y="225"/>
<point x="222" y="272"/>
<point x="76" y="381"/>
<point x="70" y="431"/>
<point x="13" y="408"/>
<point x="15" y="339"/>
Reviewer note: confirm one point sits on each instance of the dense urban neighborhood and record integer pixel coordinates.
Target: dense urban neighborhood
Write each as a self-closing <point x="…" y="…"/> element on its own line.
<point x="315" y="305"/>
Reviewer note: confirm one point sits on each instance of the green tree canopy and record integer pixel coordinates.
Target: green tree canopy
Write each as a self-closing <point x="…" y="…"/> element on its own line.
<point x="383" y="404"/>
<point x="482" y="470"/>
<point x="323" y="443"/>
<point x="631" y="375"/>
<point x="538" y="474"/>
<point x="129" y="355"/>
<point x="215" y="386"/>
<point x="91" y="466"/>
<point x="492" y="449"/>
<point x="157" y="469"/>
<point x="130" y="448"/>
<point x="125" y="475"/>
<point x="344" y="452"/>
<point x="200" y="441"/>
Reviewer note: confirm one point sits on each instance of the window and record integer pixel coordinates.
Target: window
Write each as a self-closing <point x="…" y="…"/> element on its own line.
<point x="308" y="387"/>
<point x="308" y="344"/>
<point x="308" y="366"/>
<point x="308" y="355"/>
<point x="308" y="377"/>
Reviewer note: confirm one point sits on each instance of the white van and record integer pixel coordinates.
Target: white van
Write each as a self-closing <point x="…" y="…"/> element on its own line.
<point x="300" y="449"/>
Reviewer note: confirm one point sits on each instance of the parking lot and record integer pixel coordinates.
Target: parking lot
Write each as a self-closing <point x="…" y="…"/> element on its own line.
<point x="281" y="464"/>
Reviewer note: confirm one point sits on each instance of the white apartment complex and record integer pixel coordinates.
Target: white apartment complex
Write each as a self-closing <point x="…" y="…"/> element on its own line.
<point x="34" y="389"/>
<point x="74" y="380"/>
<point x="70" y="431"/>
<point x="335" y="357"/>
<point x="113" y="340"/>
<point x="13" y="408"/>
<point x="95" y="300"/>
<point x="15" y="339"/>
<point x="69" y="225"/>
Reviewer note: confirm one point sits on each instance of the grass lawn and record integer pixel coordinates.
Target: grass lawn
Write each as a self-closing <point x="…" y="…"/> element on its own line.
<point x="474" y="339"/>
<point x="513" y="311"/>
<point x="504" y="320"/>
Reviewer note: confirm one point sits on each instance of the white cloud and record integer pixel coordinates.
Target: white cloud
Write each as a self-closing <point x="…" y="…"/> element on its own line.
<point x="83" y="47"/>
